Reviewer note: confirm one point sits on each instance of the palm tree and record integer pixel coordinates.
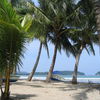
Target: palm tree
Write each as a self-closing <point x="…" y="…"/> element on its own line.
<point x="61" y="13"/>
<point x="35" y="27"/>
<point x="36" y="63"/>
<point x="86" y="37"/>
<point x="36" y="31"/>
<point x="74" y="79"/>
<point x="12" y="41"/>
<point x="85" y="43"/>
<point x="43" y="42"/>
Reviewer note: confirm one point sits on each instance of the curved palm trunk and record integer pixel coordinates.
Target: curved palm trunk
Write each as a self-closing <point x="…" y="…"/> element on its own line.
<point x="52" y="65"/>
<point x="36" y="64"/>
<point x="5" y="95"/>
<point x="74" y="79"/>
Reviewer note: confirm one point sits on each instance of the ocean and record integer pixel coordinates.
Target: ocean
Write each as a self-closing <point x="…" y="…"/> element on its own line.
<point x="81" y="78"/>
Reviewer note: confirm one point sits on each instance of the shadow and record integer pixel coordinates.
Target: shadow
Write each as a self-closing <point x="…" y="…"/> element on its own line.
<point x="28" y="84"/>
<point x="80" y="86"/>
<point x="67" y="86"/>
<point x="86" y="88"/>
<point x="66" y="89"/>
<point x="18" y="83"/>
<point x="22" y="96"/>
<point x="82" y="95"/>
<point x="36" y="86"/>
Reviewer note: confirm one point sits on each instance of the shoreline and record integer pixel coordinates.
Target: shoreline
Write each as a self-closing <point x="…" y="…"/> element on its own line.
<point x="85" y="80"/>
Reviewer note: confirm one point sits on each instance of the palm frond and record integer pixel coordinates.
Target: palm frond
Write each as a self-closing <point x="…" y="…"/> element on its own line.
<point x="12" y="37"/>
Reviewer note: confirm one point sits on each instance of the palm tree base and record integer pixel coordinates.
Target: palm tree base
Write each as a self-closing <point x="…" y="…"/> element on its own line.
<point x="29" y="78"/>
<point x="5" y="96"/>
<point x="74" y="81"/>
<point x="47" y="81"/>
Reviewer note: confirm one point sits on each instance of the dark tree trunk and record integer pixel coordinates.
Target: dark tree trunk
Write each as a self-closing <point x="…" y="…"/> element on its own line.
<point x="52" y="65"/>
<point x="0" y="79"/>
<point x="74" y="78"/>
<point x="5" y="95"/>
<point x="36" y="64"/>
<point x="1" y="82"/>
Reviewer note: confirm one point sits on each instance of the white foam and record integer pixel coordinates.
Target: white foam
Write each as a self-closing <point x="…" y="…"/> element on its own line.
<point x="37" y="78"/>
<point x="86" y="80"/>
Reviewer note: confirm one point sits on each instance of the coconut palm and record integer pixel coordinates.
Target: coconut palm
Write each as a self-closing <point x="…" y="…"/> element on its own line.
<point x="12" y="41"/>
<point x="43" y="42"/>
<point x="36" y="63"/>
<point x="61" y="13"/>
<point x="86" y="37"/>
<point x="85" y="43"/>
<point x="36" y="31"/>
<point x="35" y="26"/>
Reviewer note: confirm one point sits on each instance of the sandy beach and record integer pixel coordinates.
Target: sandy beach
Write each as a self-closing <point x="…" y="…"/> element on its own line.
<point x="39" y="90"/>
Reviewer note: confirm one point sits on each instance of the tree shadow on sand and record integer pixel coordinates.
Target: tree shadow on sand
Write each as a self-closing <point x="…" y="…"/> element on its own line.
<point x="82" y="95"/>
<point x="27" y="84"/>
<point x="86" y="88"/>
<point x="22" y="96"/>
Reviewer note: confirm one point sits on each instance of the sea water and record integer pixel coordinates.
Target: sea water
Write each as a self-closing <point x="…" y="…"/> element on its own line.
<point x="81" y="78"/>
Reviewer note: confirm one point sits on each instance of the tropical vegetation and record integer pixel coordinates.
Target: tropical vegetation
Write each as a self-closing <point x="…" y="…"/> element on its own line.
<point x="86" y="37"/>
<point x="68" y="25"/>
<point x="60" y="17"/>
<point x="12" y="44"/>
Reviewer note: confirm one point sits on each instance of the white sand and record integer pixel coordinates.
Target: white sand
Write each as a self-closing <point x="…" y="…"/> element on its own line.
<point x="39" y="90"/>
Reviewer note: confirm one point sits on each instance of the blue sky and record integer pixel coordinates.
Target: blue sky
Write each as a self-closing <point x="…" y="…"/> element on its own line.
<point x="88" y="64"/>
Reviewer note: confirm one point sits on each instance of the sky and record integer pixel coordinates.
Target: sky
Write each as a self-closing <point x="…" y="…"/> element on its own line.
<point x="89" y="64"/>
